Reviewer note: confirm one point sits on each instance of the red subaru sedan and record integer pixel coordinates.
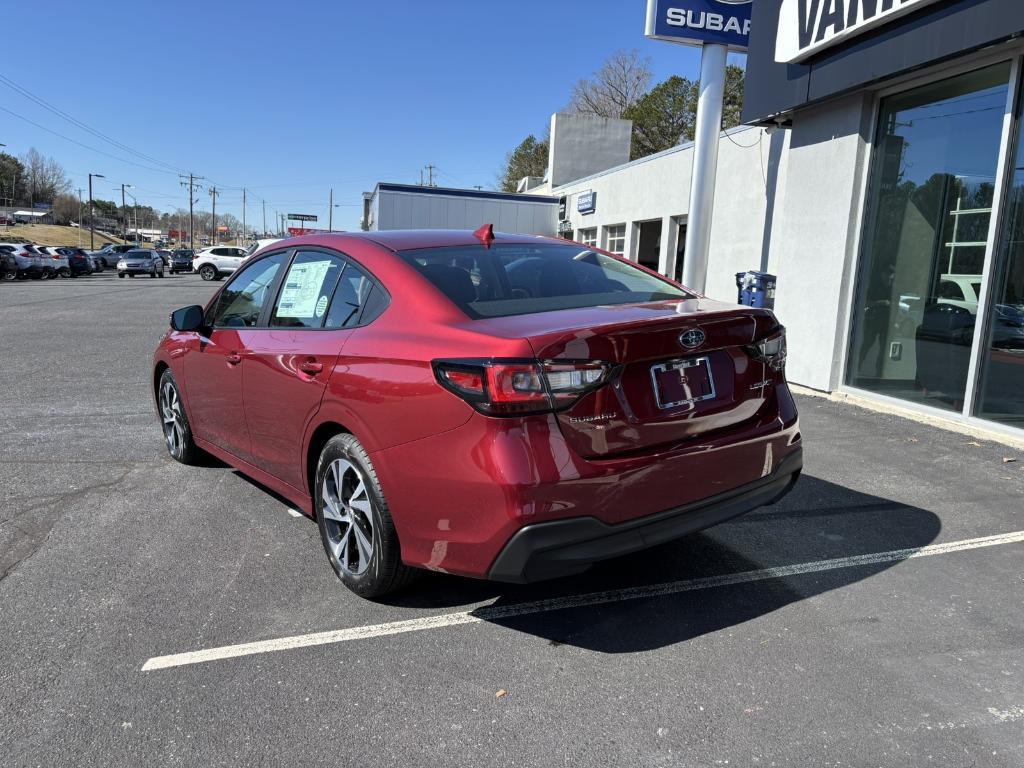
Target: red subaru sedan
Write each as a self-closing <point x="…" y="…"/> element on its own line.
<point x="501" y="406"/>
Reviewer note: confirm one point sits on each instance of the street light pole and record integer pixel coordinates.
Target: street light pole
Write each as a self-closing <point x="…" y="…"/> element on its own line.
<point x="92" y="228"/>
<point x="330" y="212"/>
<point x="124" y="214"/>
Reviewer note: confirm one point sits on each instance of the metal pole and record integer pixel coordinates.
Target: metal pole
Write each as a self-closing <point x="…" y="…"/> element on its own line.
<point x="705" y="165"/>
<point x="79" y="217"/>
<point x="264" y="218"/>
<point x="92" y="231"/>
<point x="243" y="218"/>
<point x="213" y="224"/>
<point x="330" y="212"/>
<point x="124" y="217"/>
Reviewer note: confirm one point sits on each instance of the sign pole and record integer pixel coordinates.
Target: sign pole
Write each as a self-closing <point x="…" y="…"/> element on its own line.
<point x="717" y="27"/>
<point x="707" y="127"/>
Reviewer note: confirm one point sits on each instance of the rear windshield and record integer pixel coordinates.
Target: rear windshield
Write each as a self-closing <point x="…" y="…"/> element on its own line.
<point x="523" y="279"/>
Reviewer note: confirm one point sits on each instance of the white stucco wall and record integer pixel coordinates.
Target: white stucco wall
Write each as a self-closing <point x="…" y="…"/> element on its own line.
<point x="815" y="248"/>
<point x="658" y="187"/>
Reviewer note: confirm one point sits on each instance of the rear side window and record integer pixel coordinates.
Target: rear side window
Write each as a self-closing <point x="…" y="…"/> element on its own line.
<point x="307" y="290"/>
<point x="523" y="279"/>
<point x="352" y="295"/>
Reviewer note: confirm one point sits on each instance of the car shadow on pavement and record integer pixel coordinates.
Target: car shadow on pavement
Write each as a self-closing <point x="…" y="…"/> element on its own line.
<point x="819" y="520"/>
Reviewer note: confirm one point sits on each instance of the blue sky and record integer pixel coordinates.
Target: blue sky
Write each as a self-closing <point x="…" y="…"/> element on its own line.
<point x="292" y="99"/>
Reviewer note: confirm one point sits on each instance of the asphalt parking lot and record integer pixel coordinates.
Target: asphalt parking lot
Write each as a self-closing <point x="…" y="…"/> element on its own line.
<point x="875" y="617"/>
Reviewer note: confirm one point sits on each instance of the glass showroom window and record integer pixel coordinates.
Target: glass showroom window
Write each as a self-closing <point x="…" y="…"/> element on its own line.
<point x="589" y="237"/>
<point x="1001" y="388"/>
<point x="616" y="237"/>
<point x="927" y="218"/>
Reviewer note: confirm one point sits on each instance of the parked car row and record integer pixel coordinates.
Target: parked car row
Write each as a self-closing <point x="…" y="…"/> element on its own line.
<point x="40" y="262"/>
<point x="28" y="261"/>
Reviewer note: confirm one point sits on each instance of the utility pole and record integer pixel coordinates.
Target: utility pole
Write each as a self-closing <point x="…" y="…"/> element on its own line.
<point x="213" y="224"/>
<point x="92" y="229"/>
<point x="79" y="217"/>
<point x="243" y="216"/>
<point x="264" y="218"/>
<point x="191" y="203"/>
<point x="330" y="212"/>
<point x="430" y="175"/>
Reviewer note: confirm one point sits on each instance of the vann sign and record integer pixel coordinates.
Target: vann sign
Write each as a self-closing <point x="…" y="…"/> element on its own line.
<point x="809" y="26"/>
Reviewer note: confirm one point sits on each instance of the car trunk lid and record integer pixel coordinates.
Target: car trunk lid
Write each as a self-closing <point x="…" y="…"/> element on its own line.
<point x="682" y="369"/>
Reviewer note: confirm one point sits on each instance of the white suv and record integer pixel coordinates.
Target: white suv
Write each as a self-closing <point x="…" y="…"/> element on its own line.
<point x="215" y="262"/>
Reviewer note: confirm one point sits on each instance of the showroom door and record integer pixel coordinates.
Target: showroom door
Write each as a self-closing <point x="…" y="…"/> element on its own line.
<point x="928" y="213"/>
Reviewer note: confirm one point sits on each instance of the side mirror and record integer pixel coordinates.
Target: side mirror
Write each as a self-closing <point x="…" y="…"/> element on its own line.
<point x="187" y="318"/>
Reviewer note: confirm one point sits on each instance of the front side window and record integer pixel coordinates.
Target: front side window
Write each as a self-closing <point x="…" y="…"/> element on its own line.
<point x="616" y="238"/>
<point x="242" y="300"/>
<point x="522" y="279"/>
<point x="928" y="212"/>
<point x="307" y="290"/>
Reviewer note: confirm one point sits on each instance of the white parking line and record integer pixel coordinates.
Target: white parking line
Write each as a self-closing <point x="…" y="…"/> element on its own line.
<point x="492" y="613"/>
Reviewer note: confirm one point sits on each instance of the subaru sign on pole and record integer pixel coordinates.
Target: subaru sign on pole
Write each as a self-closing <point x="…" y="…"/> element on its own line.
<point x="717" y="26"/>
<point x="699" y="22"/>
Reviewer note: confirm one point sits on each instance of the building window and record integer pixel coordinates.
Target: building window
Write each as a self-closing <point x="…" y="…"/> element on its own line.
<point x="928" y="211"/>
<point x="589" y="237"/>
<point x="616" y="238"/>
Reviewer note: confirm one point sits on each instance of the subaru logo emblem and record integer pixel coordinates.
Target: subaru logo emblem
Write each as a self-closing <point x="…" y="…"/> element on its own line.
<point x="692" y="338"/>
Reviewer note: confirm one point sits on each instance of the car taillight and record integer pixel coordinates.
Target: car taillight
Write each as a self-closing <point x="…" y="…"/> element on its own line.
<point x="771" y="350"/>
<point x="519" y="387"/>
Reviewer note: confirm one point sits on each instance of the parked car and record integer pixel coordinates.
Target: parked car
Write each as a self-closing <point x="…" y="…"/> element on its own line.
<point x="259" y="245"/>
<point x="433" y="405"/>
<point x="95" y="262"/>
<point x="79" y="261"/>
<point x="53" y="257"/>
<point x="218" y="261"/>
<point x="8" y="265"/>
<point x="166" y="256"/>
<point x="111" y="253"/>
<point x="141" y="261"/>
<point x="30" y="264"/>
<point x="181" y="260"/>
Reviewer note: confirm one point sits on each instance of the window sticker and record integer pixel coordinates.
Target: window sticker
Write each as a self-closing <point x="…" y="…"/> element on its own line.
<point x="302" y="289"/>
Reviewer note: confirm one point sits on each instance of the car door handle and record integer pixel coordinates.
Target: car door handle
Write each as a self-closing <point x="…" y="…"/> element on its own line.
<point x="311" y="367"/>
<point x="233" y="359"/>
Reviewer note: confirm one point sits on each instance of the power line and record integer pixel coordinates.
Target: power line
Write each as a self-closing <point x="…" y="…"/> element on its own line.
<point x="84" y="146"/>
<point x="74" y="121"/>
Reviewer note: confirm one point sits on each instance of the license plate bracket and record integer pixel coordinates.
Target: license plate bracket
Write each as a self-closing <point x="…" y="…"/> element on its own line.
<point x="682" y="382"/>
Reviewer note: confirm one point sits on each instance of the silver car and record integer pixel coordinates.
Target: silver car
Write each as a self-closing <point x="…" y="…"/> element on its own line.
<point x="55" y="260"/>
<point x="140" y="261"/>
<point x="30" y="263"/>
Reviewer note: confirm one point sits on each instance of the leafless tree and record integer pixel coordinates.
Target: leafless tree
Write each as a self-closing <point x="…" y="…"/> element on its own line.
<point x="617" y="85"/>
<point x="44" y="177"/>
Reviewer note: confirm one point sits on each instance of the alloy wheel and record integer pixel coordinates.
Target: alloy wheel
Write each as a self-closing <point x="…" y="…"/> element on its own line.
<point x="170" y="411"/>
<point x="349" y="516"/>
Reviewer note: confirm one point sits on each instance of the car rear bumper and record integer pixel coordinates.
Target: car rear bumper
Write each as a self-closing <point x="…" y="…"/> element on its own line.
<point x="564" y="547"/>
<point x="460" y="498"/>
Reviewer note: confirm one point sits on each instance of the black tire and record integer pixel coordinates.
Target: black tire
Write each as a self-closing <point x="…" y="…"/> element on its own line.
<point x="182" y="448"/>
<point x="9" y="276"/>
<point x="383" y="572"/>
<point x="131" y="276"/>
<point x="161" y="273"/>
<point x="208" y="272"/>
<point x="120" y="274"/>
<point x="64" y="273"/>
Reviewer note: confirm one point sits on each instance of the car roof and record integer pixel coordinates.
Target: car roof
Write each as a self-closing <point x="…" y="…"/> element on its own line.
<point x="409" y="239"/>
